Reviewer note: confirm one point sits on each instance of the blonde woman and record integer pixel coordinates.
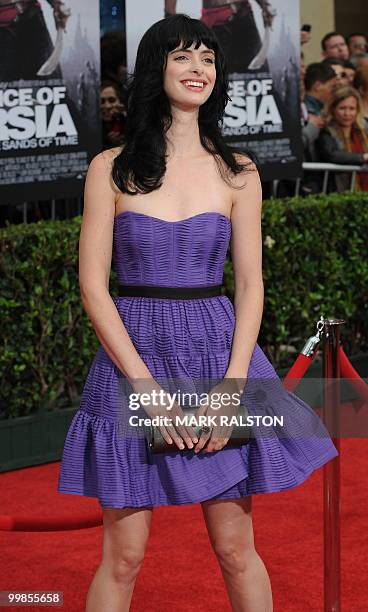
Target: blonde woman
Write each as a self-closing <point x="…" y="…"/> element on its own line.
<point x="344" y="140"/>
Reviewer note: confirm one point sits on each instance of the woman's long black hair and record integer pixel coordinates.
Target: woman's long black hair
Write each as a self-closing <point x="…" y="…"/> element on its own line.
<point x="141" y="165"/>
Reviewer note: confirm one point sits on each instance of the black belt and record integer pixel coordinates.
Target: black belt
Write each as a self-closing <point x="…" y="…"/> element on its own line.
<point x="171" y="293"/>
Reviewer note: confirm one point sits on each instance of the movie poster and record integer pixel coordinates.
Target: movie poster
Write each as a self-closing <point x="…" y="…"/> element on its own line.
<point x="261" y="41"/>
<point x="49" y="88"/>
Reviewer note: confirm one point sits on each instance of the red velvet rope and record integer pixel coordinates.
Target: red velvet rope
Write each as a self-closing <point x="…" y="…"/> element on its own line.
<point x="348" y="371"/>
<point x="42" y="523"/>
<point x="297" y="371"/>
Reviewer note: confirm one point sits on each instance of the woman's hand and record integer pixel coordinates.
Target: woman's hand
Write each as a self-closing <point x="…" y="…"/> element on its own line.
<point x="223" y="400"/>
<point x="173" y="432"/>
<point x="268" y="14"/>
<point x="164" y="407"/>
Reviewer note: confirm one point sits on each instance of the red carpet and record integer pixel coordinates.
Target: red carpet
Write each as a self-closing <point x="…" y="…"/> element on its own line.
<point x="180" y="572"/>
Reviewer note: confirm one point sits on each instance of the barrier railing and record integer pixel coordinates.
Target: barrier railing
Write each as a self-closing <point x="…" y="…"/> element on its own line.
<point x="326" y="169"/>
<point x="50" y="210"/>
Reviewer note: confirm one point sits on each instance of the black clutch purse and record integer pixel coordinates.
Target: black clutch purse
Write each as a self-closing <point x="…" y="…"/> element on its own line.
<point x="240" y="434"/>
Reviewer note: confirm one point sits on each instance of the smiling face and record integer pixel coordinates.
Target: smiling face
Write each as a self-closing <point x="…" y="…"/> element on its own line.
<point x="345" y="113"/>
<point x="109" y="103"/>
<point x="190" y="76"/>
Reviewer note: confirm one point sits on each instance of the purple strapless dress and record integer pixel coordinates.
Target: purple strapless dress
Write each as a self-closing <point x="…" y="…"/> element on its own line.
<point x="180" y="339"/>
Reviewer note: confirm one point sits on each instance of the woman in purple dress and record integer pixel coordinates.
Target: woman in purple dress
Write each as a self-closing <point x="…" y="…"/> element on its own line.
<point x="165" y="207"/>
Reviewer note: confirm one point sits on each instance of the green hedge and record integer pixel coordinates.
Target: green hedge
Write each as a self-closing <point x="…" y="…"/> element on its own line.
<point x="314" y="262"/>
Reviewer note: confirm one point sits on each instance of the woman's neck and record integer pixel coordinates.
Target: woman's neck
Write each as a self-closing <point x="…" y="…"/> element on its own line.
<point x="183" y="135"/>
<point x="346" y="131"/>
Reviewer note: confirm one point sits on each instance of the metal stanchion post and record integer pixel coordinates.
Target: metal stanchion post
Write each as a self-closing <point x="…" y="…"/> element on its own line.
<point x="297" y="186"/>
<point x="274" y="187"/>
<point x="331" y="470"/>
<point x="352" y="182"/>
<point x="325" y="181"/>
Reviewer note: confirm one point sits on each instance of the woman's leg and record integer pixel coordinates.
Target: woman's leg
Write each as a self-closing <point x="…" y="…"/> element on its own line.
<point x="230" y="529"/>
<point x="125" y="537"/>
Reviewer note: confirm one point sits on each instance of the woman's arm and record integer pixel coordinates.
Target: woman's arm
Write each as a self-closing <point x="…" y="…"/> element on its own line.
<point x="246" y="254"/>
<point x="170" y="7"/>
<point x="328" y="151"/>
<point x="95" y="253"/>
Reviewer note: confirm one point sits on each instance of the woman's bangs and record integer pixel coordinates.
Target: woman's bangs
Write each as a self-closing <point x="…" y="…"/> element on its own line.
<point x="187" y="33"/>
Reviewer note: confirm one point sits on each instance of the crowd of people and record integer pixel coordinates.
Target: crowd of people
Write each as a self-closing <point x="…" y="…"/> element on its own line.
<point x="334" y="106"/>
<point x="334" y="109"/>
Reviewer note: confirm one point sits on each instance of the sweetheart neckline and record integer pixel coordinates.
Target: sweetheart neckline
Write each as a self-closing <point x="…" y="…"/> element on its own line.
<point x="206" y="212"/>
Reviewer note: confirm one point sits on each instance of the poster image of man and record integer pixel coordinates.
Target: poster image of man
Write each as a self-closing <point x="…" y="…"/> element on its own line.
<point x="236" y="30"/>
<point x="49" y="96"/>
<point x="25" y="42"/>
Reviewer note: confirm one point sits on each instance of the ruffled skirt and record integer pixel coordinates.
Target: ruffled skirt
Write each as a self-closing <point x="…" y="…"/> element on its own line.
<point x="186" y="340"/>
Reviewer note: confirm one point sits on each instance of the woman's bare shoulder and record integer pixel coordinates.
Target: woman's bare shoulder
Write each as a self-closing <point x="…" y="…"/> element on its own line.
<point x="100" y="169"/>
<point x="247" y="176"/>
<point x="104" y="160"/>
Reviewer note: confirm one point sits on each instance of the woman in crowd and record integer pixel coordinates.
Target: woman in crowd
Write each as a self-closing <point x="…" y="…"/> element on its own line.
<point x="344" y="139"/>
<point x="112" y="114"/>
